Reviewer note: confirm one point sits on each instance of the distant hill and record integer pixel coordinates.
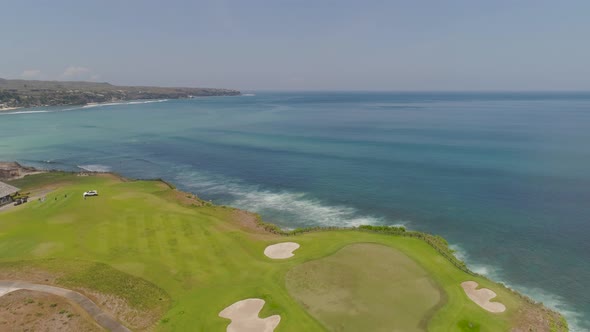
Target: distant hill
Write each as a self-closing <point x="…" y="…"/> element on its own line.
<point x="25" y="93"/>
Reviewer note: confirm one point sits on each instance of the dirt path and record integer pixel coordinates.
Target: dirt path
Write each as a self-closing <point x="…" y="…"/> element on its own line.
<point x="102" y="318"/>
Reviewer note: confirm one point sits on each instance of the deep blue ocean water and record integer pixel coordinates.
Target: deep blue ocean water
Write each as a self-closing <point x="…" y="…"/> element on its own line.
<point x="503" y="176"/>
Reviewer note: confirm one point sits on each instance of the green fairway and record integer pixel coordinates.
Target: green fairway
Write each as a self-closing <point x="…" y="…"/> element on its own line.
<point x="188" y="260"/>
<point x="365" y="287"/>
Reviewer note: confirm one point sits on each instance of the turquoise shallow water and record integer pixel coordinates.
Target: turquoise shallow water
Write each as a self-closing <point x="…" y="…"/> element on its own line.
<point x="503" y="176"/>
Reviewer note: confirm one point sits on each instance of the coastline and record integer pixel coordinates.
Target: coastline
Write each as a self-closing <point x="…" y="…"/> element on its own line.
<point x="111" y="103"/>
<point x="34" y="93"/>
<point x="437" y="242"/>
<point x="92" y="104"/>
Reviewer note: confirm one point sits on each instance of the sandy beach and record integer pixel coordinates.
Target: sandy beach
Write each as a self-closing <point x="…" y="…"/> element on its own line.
<point x="2" y="109"/>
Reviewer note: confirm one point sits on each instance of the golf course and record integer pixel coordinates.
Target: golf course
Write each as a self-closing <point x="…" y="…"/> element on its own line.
<point x="158" y="259"/>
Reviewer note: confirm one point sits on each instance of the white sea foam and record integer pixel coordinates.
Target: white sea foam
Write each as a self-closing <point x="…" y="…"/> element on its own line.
<point x="135" y="102"/>
<point x="146" y="102"/>
<point x="248" y="95"/>
<point x="550" y="300"/>
<point x="25" y="112"/>
<point x="299" y="208"/>
<point x="95" y="168"/>
<point x="298" y="205"/>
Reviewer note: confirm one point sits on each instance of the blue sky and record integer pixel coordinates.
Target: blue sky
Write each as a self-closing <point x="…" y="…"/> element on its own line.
<point x="302" y="45"/>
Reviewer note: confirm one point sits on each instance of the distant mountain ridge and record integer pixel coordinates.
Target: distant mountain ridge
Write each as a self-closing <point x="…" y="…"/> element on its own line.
<point x="29" y="93"/>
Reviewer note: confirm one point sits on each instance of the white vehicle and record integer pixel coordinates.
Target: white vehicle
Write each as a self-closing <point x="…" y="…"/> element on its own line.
<point x="90" y="193"/>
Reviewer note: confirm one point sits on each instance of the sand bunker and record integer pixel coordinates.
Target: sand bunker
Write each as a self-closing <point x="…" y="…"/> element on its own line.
<point x="244" y="317"/>
<point x="281" y="250"/>
<point x="482" y="297"/>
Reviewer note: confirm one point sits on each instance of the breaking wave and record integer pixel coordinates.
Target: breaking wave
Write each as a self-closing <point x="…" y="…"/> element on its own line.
<point x="95" y="168"/>
<point x="295" y="208"/>
<point x="24" y="112"/>
<point x="135" y="102"/>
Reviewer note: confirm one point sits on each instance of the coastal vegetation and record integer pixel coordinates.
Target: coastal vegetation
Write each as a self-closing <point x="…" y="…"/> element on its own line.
<point x="25" y="93"/>
<point x="143" y="249"/>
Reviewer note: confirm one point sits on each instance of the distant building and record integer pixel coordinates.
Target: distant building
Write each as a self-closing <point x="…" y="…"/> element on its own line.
<point x="6" y="191"/>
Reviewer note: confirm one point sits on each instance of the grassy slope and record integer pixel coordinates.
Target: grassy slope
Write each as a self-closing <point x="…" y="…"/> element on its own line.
<point x="201" y="260"/>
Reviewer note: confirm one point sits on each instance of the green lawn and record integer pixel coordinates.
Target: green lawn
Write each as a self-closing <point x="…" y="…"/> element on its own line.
<point x="204" y="259"/>
<point x="366" y="287"/>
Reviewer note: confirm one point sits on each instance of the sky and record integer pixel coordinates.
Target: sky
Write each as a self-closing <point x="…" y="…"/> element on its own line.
<point x="413" y="45"/>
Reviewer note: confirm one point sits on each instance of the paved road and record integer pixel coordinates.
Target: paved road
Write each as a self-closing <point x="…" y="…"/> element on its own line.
<point x="102" y="318"/>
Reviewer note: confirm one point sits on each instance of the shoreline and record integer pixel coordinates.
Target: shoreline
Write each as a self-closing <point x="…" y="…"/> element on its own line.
<point x="92" y="104"/>
<point x="113" y="103"/>
<point x="4" y="109"/>
<point x="437" y="242"/>
<point x="35" y="93"/>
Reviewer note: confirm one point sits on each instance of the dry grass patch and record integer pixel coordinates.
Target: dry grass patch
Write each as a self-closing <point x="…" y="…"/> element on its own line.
<point x="25" y="310"/>
<point x="132" y="300"/>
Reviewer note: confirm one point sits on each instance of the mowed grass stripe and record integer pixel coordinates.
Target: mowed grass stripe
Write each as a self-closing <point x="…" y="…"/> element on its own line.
<point x="150" y="232"/>
<point x="140" y="232"/>
<point x="117" y="232"/>
<point x="171" y="220"/>
<point x="166" y="256"/>
<point x="132" y="241"/>
<point x="99" y="242"/>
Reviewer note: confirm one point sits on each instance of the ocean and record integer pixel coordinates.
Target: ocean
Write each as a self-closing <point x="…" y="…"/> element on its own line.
<point x="504" y="177"/>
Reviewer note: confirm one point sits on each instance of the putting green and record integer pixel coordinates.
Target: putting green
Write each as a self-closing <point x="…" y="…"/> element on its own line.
<point x="177" y="262"/>
<point x="366" y="287"/>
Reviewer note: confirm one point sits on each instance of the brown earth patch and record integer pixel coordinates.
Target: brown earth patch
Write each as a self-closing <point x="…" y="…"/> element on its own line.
<point x="111" y="176"/>
<point x="249" y="222"/>
<point x="539" y="319"/>
<point x="244" y="221"/>
<point x="30" y="274"/>
<point x="185" y="199"/>
<point x="25" y="310"/>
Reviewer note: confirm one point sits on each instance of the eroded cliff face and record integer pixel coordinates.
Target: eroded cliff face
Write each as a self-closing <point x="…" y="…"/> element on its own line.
<point x="13" y="170"/>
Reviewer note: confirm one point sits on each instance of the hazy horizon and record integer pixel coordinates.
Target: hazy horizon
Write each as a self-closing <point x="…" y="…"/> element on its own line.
<point x="303" y="45"/>
<point x="328" y="90"/>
